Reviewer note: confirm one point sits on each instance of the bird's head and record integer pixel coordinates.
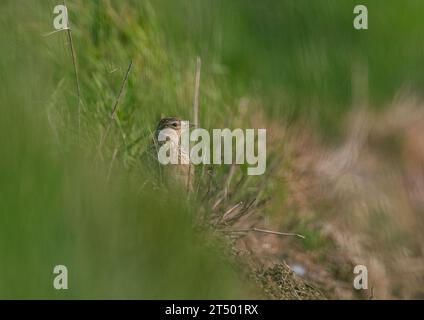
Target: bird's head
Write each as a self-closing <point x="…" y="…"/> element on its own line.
<point x="169" y="123"/>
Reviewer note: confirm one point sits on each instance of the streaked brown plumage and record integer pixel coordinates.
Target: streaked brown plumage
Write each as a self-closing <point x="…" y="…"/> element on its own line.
<point x="180" y="173"/>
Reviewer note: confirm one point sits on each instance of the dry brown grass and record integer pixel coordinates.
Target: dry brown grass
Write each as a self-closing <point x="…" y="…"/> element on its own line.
<point x="362" y="199"/>
<point x="367" y="197"/>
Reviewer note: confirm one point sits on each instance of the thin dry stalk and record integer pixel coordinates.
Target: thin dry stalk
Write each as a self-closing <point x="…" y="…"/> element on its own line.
<point x="196" y="93"/>
<point x="115" y="106"/>
<point x="224" y="194"/>
<point x="195" y="109"/>
<point x="217" y="203"/>
<point x="266" y="231"/>
<point x="74" y="62"/>
<point x="245" y="210"/>
<point x="231" y="210"/>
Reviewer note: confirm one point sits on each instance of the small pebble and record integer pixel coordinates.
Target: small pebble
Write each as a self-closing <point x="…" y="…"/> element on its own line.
<point x="298" y="269"/>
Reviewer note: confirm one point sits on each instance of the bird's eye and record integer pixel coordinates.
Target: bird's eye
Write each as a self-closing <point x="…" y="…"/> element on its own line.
<point x="174" y="124"/>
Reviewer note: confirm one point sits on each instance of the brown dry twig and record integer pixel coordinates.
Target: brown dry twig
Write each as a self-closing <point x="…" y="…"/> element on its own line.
<point x="265" y="231"/>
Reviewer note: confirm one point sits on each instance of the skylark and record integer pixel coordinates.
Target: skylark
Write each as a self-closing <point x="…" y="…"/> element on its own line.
<point x="180" y="173"/>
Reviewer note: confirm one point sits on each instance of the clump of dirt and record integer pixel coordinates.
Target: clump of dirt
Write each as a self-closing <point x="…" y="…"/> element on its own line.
<point x="266" y="280"/>
<point x="280" y="282"/>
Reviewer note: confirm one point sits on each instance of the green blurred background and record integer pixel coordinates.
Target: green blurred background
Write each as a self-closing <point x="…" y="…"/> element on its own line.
<point x="61" y="204"/>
